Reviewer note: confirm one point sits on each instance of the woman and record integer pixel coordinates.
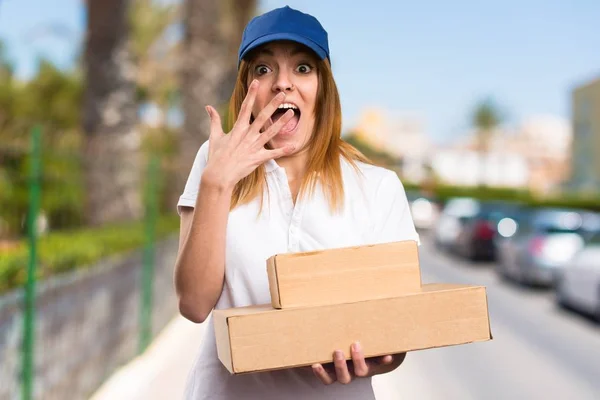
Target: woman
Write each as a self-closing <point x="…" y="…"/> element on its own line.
<point x="281" y="180"/>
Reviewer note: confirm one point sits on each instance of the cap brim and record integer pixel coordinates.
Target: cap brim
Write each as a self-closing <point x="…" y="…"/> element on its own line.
<point x="321" y="53"/>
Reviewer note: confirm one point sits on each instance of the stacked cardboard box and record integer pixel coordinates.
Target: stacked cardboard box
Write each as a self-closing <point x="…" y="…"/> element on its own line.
<point x="326" y="300"/>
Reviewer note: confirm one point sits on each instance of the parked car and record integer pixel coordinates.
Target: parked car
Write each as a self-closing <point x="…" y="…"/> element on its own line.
<point x="448" y="225"/>
<point x="475" y="240"/>
<point x="578" y="284"/>
<point x="424" y="209"/>
<point x="545" y="240"/>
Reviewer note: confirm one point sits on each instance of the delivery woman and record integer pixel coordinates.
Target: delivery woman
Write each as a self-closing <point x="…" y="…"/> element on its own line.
<point x="281" y="180"/>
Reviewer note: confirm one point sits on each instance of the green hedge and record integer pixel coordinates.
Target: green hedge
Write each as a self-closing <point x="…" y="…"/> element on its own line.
<point x="444" y="192"/>
<point x="566" y="201"/>
<point x="67" y="250"/>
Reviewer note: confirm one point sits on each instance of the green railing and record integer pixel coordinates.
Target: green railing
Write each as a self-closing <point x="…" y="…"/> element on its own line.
<point x="32" y="235"/>
<point x="151" y="214"/>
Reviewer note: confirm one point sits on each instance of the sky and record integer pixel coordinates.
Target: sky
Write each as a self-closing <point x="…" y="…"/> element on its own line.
<point x="435" y="59"/>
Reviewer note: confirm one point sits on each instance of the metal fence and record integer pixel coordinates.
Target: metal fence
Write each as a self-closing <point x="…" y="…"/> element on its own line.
<point x="145" y="267"/>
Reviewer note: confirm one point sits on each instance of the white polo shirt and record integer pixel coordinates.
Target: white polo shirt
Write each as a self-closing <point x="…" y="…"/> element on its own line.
<point x="375" y="211"/>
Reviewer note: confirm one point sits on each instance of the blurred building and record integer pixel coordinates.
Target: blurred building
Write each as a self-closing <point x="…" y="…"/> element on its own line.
<point x="460" y="163"/>
<point x="545" y="141"/>
<point x="400" y="134"/>
<point x="585" y="160"/>
<point x="534" y="155"/>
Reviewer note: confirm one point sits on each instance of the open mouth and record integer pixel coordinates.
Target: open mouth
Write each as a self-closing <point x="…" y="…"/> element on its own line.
<point x="292" y="124"/>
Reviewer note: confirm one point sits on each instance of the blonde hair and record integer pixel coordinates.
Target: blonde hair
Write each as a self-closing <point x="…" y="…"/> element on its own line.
<point x="324" y="147"/>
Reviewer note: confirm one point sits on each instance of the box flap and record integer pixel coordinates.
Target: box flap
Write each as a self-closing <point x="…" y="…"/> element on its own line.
<point x="223" y="341"/>
<point x="273" y="287"/>
<point x="438" y="287"/>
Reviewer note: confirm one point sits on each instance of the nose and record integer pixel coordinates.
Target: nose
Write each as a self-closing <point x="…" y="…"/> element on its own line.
<point x="283" y="81"/>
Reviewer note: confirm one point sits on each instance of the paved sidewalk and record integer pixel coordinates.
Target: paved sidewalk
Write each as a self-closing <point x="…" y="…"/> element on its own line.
<point x="160" y="373"/>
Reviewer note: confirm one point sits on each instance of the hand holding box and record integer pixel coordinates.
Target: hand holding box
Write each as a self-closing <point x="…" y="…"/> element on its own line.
<point x="261" y="338"/>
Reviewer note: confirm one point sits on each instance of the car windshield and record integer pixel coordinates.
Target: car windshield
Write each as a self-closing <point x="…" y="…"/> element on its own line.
<point x="412" y="195"/>
<point x="497" y="211"/>
<point x="594" y="240"/>
<point x="567" y="221"/>
<point x="462" y="207"/>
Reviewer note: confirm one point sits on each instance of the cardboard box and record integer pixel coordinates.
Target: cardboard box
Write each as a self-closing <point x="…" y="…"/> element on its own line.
<point x="260" y="338"/>
<point x="343" y="275"/>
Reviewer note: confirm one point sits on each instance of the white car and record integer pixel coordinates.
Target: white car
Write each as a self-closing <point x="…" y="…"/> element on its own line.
<point x="447" y="227"/>
<point x="578" y="284"/>
<point x="424" y="211"/>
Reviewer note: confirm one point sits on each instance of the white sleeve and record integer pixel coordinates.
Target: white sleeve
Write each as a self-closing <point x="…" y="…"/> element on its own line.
<point x="190" y="192"/>
<point x="393" y="219"/>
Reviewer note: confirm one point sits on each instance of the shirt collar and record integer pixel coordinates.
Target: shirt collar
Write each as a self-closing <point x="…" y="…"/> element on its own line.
<point x="271" y="165"/>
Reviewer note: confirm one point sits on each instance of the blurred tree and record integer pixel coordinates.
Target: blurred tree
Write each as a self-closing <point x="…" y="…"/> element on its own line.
<point x="235" y="15"/>
<point x="212" y="35"/>
<point x="485" y="119"/>
<point x="6" y="67"/>
<point x="52" y="97"/>
<point x="156" y="48"/>
<point x="112" y="158"/>
<point x="7" y="97"/>
<point x="6" y="90"/>
<point x="154" y="51"/>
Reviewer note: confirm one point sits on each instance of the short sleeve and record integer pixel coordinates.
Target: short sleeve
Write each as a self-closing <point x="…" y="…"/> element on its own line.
<point x="393" y="219"/>
<point x="190" y="192"/>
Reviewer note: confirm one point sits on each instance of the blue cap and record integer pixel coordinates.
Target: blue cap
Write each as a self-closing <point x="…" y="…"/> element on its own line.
<point x="284" y="24"/>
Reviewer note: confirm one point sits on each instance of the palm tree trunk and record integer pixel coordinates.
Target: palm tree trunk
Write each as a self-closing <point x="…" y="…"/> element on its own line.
<point x="202" y="72"/>
<point x="213" y="30"/>
<point x="235" y="16"/>
<point x="112" y="154"/>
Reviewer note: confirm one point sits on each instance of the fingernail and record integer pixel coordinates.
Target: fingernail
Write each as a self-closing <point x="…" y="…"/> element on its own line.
<point x="356" y="346"/>
<point x="339" y="355"/>
<point x="281" y="95"/>
<point x="207" y="110"/>
<point x="254" y="83"/>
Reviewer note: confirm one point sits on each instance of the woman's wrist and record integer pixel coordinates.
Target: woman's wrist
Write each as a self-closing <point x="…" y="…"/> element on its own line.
<point x="214" y="180"/>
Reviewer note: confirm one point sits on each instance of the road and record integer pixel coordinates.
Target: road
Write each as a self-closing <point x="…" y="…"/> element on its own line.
<point x="539" y="351"/>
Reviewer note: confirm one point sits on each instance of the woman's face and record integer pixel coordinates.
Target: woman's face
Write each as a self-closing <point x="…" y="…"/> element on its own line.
<point x="291" y="68"/>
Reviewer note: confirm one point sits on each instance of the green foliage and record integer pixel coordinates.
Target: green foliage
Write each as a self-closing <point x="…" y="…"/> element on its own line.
<point x="64" y="251"/>
<point x="162" y="142"/>
<point x="149" y="20"/>
<point x="443" y="193"/>
<point x="153" y="49"/>
<point x="487" y="115"/>
<point x="567" y="201"/>
<point x="52" y="98"/>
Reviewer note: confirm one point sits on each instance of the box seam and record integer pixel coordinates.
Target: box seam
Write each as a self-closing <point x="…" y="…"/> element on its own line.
<point x="230" y="345"/>
<point x="279" y="302"/>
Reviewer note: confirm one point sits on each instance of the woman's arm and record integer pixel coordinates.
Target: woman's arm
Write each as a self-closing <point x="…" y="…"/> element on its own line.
<point x="200" y="265"/>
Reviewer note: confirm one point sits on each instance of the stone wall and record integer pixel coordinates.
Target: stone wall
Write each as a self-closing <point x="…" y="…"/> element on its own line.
<point x="87" y="325"/>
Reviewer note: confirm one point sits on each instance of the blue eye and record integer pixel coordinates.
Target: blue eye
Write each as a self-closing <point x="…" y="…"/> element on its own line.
<point x="303" y="68"/>
<point x="261" y="69"/>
